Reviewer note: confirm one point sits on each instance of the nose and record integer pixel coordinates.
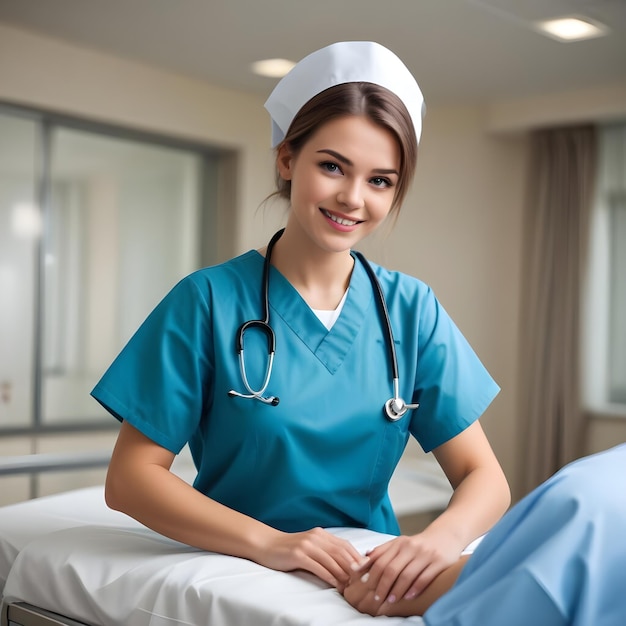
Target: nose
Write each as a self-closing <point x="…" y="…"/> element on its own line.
<point x="351" y="195"/>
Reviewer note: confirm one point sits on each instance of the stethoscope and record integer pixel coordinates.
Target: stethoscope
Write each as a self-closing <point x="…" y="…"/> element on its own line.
<point x="394" y="408"/>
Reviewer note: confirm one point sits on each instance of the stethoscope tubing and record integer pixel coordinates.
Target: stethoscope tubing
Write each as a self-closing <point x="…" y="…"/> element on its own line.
<point x="384" y="313"/>
<point x="264" y="326"/>
<point x="393" y="409"/>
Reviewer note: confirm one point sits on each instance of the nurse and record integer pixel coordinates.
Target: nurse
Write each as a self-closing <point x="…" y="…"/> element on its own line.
<point x="285" y="451"/>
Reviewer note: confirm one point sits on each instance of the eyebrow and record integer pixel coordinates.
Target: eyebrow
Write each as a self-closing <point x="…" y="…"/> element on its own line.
<point x="349" y="163"/>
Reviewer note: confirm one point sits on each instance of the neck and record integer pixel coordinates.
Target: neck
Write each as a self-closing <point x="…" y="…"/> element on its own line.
<point x="320" y="277"/>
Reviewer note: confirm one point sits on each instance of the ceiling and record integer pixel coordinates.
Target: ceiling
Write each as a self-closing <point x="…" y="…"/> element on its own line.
<point x="461" y="51"/>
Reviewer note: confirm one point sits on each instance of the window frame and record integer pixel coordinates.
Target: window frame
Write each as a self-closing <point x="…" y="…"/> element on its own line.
<point x="599" y="317"/>
<point x="217" y="235"/>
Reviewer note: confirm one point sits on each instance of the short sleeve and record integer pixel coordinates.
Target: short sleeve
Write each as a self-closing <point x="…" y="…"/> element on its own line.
<point x="159" y="383"/>
<point x="452" y="386"/>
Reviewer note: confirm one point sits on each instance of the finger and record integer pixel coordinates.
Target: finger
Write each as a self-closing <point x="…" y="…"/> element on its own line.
<point x="359" y="566"/>
<point x="399" y="574"/>
<point x="423" y="580"/>
<point x="344" y="554"/>
<point x="354" y="559"/>
<point x="410" y="571"/>
<point x="330" y="560"/>
<point x="375" y="552"/>
<point x="324" y="567"/>
<point x="411" y="581"/>
<point x="361" y="598"/>
<point x="384" y="570"/>
<point x="398" y="564"/>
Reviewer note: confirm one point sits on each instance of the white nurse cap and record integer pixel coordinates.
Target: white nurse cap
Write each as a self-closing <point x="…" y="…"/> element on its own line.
<point x="343" y="62"/>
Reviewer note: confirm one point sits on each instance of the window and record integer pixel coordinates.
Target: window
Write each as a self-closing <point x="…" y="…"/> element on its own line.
<point x="20" y="226"/>
<point x="96" y="225"/>
<point x="605" y="307"/>
<point x="617" y="300"/>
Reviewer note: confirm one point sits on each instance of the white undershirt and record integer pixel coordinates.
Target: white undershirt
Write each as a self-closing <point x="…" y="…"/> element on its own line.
<point x="328" y="318"/>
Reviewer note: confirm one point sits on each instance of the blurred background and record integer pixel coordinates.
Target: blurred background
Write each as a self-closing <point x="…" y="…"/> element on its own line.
<point x="134" y="148"/>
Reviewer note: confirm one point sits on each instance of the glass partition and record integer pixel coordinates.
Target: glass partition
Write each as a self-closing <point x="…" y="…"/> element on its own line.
<point x="20" y="229"/>
<point x="95" y="228"/>
<point x="121" y="230"/>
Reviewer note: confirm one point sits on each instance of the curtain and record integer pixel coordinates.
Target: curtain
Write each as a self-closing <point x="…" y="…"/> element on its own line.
<point x="557" y="214"/>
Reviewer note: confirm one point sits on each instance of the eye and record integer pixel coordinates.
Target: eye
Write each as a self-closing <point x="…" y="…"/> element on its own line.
<point x="380" y="181"/>
<point x="330" y="167"/>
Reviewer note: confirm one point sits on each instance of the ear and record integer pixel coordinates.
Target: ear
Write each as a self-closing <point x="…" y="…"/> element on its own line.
<point x="284" y="160"/>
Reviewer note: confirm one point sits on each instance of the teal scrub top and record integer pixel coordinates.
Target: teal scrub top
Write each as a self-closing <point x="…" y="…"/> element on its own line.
<point x="325" y="454"/>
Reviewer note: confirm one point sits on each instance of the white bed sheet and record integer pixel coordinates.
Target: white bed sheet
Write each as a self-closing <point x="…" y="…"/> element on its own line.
<point x="110" y="575"/>
<point x="70" y="554"/>
<point x="22" y="522"/>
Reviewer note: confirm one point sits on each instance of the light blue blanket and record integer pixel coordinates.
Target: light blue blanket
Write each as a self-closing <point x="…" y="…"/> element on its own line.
<point x="557" y="557"/>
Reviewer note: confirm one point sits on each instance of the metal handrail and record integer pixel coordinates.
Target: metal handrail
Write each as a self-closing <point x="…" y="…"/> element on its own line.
<point x="52" y="462"/>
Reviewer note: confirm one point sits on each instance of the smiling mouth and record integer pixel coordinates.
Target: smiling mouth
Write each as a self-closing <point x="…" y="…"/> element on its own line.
<point x="340" y="220"/>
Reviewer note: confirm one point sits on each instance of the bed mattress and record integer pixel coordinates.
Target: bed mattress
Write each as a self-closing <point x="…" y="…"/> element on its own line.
<point x="71" y="555"/>
<point x="133" y="576"/>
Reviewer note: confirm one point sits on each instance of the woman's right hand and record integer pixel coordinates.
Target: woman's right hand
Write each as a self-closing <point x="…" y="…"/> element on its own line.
<point x="140" y="484"/>
<point x="317" y="551"/>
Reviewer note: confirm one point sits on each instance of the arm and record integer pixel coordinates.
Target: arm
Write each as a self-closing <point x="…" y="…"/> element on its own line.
<point x="140" y="484"/>
<point x="402" y="568"/>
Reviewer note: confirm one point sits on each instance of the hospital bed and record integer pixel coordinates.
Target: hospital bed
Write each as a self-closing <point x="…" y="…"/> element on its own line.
<point x="67" y="559"/>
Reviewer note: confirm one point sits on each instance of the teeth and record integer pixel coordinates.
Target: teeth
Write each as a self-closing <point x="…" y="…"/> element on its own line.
<point x="340" y="220"/>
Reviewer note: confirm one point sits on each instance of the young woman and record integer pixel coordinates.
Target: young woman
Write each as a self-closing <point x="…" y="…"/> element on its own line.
<point x="303" y="429"/>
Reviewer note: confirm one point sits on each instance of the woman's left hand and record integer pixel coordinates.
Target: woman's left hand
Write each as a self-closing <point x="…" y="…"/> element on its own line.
<point x="398" y="571"/>
<point x="401" y="569"/>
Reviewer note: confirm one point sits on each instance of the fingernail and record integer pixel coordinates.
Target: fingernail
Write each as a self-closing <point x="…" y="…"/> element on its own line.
<point x="391" y="599"/>
<point x="357" y="565"/>
<point x="377" y="598"/>
<point x="365" y="577"/>
<point x="409" y="595"/>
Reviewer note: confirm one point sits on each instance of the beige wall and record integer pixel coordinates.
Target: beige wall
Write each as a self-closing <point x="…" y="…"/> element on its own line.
<point x="42" y="72"/>
<point x="602" y="104"/>
<point x="460" y="229"/>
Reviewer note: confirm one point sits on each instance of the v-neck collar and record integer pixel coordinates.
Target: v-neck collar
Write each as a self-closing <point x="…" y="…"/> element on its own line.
<point x="329" y="346"/>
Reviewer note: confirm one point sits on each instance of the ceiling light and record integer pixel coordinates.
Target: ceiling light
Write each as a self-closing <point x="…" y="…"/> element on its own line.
<point x="572" y="28"/>
<point x="272" y="68"/>
<point x="26" y="221"/>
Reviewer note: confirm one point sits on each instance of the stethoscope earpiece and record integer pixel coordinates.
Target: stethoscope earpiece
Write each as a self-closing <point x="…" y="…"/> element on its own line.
<point x="394" y="408"/>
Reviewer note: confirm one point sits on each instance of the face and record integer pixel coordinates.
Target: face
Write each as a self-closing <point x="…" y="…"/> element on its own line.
<point x="343" y="182"/>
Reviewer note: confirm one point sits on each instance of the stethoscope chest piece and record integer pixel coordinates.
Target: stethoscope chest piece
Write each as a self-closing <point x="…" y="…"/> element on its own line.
<point x="396" y="408"/>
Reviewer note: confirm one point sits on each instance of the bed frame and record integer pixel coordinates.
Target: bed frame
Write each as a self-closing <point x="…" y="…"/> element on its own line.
<point x="22" y="614"/>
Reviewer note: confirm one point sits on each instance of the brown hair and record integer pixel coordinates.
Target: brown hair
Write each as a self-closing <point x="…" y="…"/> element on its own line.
<point x="358" y="98"/>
